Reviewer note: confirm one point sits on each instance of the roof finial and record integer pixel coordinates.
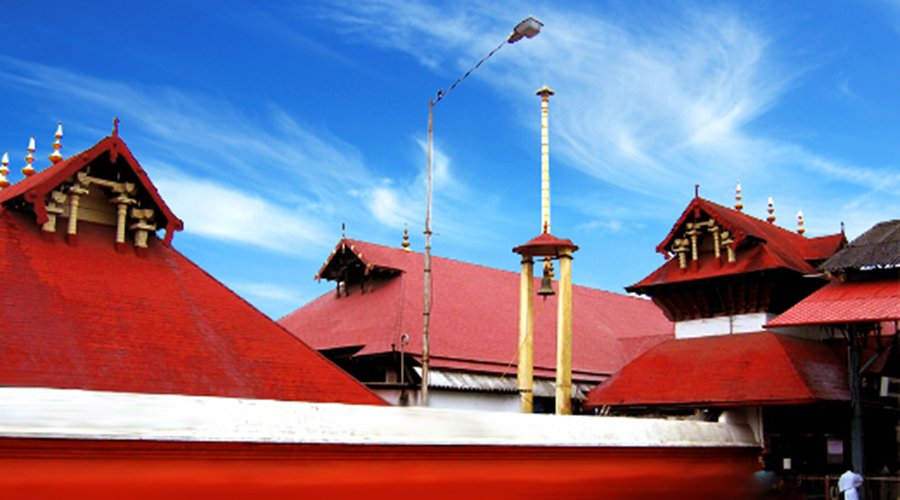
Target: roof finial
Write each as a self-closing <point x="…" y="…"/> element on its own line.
<point x="800" y="228"/>
<point x="405" y="243"/>
<point x="545" y="94"/>
<point x="115" y="127"/>
<point x="343" y="230"/>
<point x="738" y="199"/>
<point x="771" y="210"/>
<point x="55" y="156"/>
<point x="4" y="170"/>
<point x="27" y="170"/>
<point x="696" y="190"/>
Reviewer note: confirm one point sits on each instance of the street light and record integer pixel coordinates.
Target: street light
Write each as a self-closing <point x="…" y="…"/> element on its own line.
<point x="527" y="28"/>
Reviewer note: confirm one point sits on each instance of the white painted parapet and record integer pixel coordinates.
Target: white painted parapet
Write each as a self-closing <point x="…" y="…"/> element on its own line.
<point x="77" y="414"/>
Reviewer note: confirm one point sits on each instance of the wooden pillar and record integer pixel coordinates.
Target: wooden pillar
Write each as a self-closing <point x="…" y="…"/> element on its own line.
<point x="564" y="336"/>
<point x="525" y="366"/>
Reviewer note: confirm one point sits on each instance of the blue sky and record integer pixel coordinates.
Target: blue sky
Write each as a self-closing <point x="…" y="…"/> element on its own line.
<point x="267" y="125"/>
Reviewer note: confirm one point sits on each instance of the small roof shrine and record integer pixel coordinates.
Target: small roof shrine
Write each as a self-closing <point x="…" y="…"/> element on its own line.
<point x="721" y="261"/>
<point x="100" y="304"/>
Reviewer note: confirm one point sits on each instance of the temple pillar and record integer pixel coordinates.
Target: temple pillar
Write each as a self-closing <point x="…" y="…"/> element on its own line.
<point x="525" y="365"/>
<point x="564" y="336"/>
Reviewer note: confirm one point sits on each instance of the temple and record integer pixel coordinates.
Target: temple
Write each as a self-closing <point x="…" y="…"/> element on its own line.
<point x="766" y="320"/>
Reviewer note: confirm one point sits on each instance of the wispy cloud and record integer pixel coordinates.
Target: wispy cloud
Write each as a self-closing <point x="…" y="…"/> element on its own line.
<point x="265" y="180"/>
<point x="650" y="107"/>
<point x="214" y="210"/>
<point x="268" y="292"/>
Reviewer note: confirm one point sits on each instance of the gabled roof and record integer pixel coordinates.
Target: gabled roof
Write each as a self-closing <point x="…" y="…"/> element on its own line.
<point x="111" y="152"/>
<point x="845" y="302"/>
<point x="759" y="246"/>
<point x="879" y="247"/>
<point x="728" y="370"/>
<point x="474" y="323"/>
<point x="90" y="317"/>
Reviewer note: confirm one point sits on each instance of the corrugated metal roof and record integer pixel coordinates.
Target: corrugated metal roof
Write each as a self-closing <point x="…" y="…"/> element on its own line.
<point x="468" y="381"/>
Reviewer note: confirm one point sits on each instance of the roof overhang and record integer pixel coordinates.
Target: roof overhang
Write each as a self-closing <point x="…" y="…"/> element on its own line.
<point x="845" y="302"/>
<point x="754" y="369"/>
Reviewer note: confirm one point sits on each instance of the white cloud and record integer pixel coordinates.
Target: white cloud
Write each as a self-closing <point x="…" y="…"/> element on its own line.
<point x="605" y="226"/>
<point x="268" y="292"/>
<point x="216" y="211"/>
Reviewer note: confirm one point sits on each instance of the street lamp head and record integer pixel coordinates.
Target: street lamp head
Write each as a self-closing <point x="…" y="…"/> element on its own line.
<point x="528" y="28"/>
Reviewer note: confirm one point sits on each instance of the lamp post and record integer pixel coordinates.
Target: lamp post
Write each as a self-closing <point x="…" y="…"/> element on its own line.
<point x="527" y="28"/>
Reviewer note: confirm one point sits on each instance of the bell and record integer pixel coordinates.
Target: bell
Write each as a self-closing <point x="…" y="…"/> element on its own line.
<point x="547" y="280"/>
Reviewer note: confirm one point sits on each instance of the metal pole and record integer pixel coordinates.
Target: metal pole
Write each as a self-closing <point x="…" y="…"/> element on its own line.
<point x="856" y="427"/>
<point x="527" y="28"/>
<point x="426" y="312"/>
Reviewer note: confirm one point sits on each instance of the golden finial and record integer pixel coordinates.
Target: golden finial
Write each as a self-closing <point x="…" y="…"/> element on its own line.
<point x="738" y="199"/>
<point x="800" y="228"/>
<point x="405" y="243"/>
<point x="4" y="170"/>
<point x="545" y="92"/>
<point x="27" y="170"/>
<point x="55" y="156"/>
<point x="771" y="210"/>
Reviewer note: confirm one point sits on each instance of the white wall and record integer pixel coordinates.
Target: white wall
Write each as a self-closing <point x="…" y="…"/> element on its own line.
<point x="457" y="400"/>
<point x="485" y="401"/>
<point x="722" y="325"/>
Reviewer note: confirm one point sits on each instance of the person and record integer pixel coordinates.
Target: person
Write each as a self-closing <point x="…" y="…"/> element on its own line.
<point x="848" y="484"/>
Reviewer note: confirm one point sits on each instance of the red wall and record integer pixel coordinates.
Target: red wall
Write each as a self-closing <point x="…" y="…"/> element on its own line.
<point x="137" y="470"/>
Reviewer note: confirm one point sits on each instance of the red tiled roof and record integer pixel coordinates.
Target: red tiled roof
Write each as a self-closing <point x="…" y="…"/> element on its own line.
<point x="90" y="317"/>
<point x="475" y="318"/>
<point x="728" y="370"/>
<point x="758" y="244"/>
<point x="845" y="302"/>
<point x="112" y="149"/>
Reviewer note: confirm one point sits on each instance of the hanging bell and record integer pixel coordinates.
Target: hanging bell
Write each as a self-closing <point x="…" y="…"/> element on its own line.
<point x="547" y="280"/>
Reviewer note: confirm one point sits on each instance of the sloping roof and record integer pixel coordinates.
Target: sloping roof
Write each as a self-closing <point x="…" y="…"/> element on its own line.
<point x="728" y="370"/>
<point x="845" y="302"/>
<point x="759" y="246"/>
<point x="545" y="244"/>
<point x="474" y="323"/>
<point x="111" y="152"/>
<point x="879" y="247"/>
<point x="90" y="317"/>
